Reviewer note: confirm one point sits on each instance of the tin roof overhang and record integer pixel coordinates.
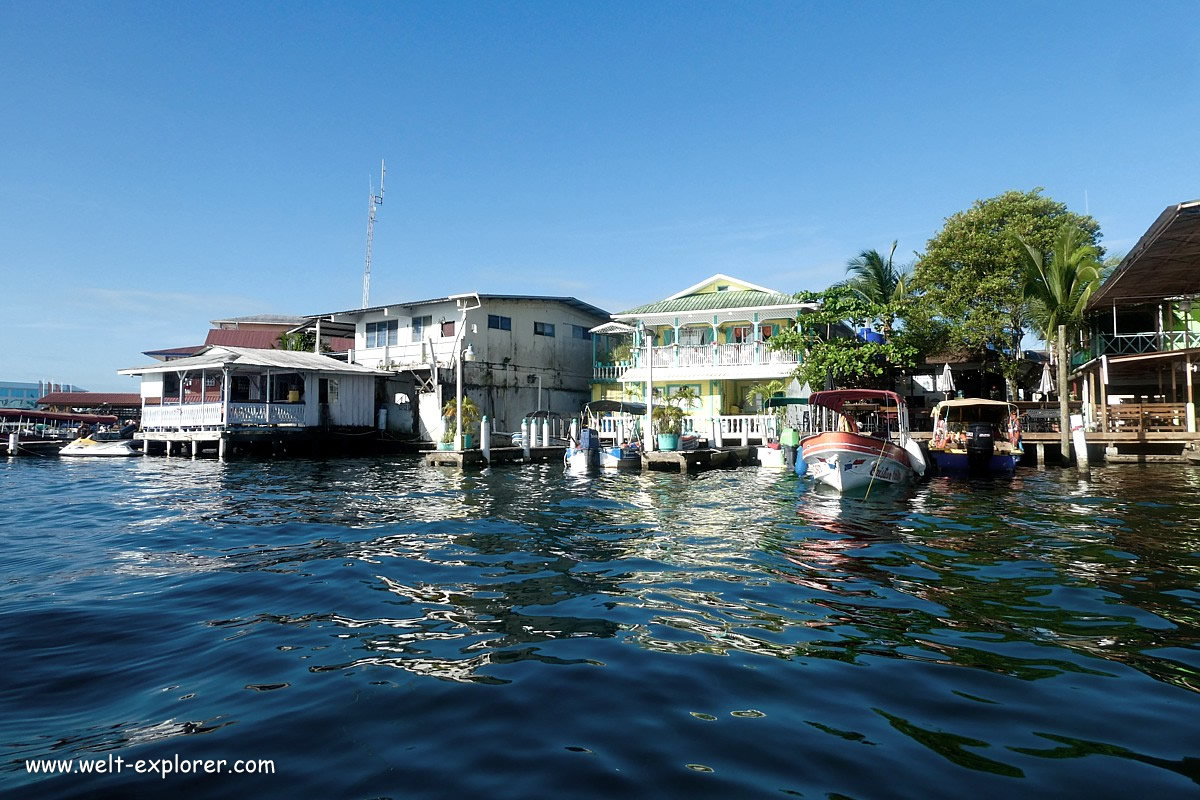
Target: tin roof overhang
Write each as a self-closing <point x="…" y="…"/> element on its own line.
<point x="1165" y="262"/>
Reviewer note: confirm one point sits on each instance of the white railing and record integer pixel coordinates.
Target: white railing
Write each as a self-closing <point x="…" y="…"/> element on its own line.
<point x="610" y="372"/>
<point x="758" y="427"/>
<point x="406" y="354"/>
<point x="735" y="355"/>
<point x="266" y="414"/>
<point x="782" y="356"/>
<point x="178" y="417"/>
<point x="743" y="354"/>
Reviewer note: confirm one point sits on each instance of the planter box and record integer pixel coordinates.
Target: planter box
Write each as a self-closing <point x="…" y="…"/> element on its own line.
<point x="668" y="441"/>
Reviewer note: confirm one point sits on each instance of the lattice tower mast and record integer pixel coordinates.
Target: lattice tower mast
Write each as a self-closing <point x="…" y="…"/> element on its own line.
<point x="375" y="201"/>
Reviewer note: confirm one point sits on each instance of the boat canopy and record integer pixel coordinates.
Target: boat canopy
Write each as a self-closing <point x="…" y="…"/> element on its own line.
<point x="972" y="401"/>
<point x="780" y="402"/>
<point x="838" y="398"/>
<point x="605" y="406"/>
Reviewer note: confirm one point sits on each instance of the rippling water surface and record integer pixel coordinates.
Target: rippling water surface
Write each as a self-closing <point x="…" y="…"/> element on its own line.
<point x="382" y="629"/>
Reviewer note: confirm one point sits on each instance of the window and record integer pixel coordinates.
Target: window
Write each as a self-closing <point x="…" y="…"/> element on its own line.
<point x="741" y="334"/>
<point x="499" y="323"/>
<point x="723" y="288"/>
<point x="383" y="334"/>
<point x="543" y="329"/>
<point x="448" y="330"/>
<point x="419" y="324"/>
<point x="580" y="332"/>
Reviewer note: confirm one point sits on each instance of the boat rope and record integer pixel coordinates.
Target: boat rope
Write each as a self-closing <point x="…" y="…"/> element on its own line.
<point x="875" y="468"/>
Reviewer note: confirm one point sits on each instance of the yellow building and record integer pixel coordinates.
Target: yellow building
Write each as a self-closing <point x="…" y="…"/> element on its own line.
<point x="711" y="337"/>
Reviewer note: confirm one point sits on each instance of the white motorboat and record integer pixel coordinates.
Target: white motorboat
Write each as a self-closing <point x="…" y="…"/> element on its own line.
<point x="871" y="446"/>
<point x="107" y="443"/>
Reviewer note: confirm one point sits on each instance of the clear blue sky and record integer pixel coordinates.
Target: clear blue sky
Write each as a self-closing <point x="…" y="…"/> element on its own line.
<point x="164" y="164"/>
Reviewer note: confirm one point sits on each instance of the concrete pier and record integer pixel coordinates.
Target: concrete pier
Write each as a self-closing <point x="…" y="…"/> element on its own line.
<point x="695" y="460"/>
<point x="473" y="459"/>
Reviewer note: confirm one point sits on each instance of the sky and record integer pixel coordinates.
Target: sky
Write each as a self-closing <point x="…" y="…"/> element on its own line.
<point x="166" y="164"/>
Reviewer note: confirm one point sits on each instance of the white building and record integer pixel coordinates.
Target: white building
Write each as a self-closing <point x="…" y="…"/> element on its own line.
<point x="525" y="353"/>
<point x="224" y="391"/>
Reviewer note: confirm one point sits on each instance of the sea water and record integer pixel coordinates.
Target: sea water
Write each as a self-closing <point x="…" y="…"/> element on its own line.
<point x="374" y="628"/>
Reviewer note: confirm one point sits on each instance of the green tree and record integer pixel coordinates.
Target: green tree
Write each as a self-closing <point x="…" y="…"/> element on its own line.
<point x="971" y="275"/>
<point x="847" y="360"/>
<point x="303" y="341"/>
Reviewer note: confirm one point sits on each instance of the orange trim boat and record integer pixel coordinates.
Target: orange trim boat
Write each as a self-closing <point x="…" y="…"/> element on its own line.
<point x="871" y="446"/>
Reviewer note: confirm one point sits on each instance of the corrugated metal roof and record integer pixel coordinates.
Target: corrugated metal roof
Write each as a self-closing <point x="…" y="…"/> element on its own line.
<point x="1165" y="262"/>
<point x="263" y="319"/>
<point x="714" y="301"/>
<point x="236" y="337"/>
<point x="574" y="302"/>
<point x="219" y="356"/>
<point x="191" y="350"/>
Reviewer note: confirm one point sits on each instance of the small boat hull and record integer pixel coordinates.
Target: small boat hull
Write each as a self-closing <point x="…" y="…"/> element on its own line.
<point x="91" y="447"/>
<point x="620" y="458"/>
<point x="772" y="458"/>
<point x="850" y="461"/>
<point x="999" y="464"/>
<point x="581" y="461"/>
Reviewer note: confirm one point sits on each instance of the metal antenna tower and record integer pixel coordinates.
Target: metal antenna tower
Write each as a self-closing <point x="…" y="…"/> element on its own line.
<point x="376" y="200"/>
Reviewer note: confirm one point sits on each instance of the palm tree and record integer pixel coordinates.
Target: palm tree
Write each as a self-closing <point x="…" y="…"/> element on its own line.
<point x="879" y="281"/>
<point x="1057" y="293"/>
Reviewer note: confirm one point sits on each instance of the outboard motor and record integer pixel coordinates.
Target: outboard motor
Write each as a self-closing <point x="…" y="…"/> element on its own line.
<point x="589" y="439"/>
<point x="981" y="445"/>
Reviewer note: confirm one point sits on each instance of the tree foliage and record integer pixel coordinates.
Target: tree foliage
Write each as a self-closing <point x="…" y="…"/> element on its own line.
<point x="1058" y="290"/>
<point x="971" y="276"/>
<point x="847" y="361"/>
<point x="879" y="281"/>
<point x="304" y="341"/>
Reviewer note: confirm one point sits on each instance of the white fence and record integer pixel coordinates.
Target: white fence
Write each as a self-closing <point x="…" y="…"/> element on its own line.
<point x="717" y="355"/>
<point x="266" y="414"/>
<point x="178" y="417"/>
<point x="209" y="415"/>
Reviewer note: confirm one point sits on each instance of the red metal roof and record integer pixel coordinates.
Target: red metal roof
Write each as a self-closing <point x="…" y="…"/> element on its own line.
<point x="55" y="416"/>
<point x="258" y="340"/>
<point x="91" y="399"/>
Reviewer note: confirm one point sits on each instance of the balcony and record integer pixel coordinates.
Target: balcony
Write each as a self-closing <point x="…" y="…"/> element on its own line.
<point x="1124" y="344"/>
<point x="748" y="354"/>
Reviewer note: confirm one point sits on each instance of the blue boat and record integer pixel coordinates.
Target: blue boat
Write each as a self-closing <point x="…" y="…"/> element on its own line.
<point x="976" y="436"/>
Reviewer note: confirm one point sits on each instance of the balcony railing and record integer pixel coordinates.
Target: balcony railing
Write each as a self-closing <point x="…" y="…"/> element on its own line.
<point x="705" y="355"/>
<point x="1136" y="343"/>
<point x="209" y="415"/>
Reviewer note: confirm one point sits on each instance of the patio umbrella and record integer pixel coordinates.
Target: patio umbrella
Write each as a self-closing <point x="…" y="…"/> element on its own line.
<point x="945" y="381"/>
<point x="1046" y="385"/>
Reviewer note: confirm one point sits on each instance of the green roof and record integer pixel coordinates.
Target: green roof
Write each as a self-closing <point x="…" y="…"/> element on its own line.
<point x="714" y="301"/>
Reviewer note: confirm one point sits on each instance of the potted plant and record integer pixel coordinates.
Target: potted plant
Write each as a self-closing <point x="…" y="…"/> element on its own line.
<point x="668" y="422"/>
<point x="471" y="417"/>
